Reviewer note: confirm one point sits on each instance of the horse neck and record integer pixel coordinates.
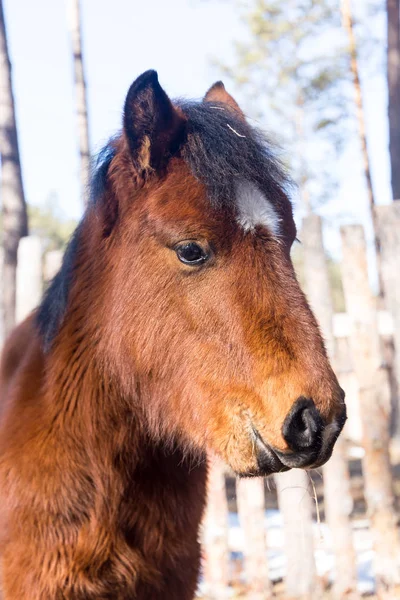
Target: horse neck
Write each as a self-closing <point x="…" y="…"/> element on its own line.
<point x="82" y="397"/>
<point x="107" y="432"/>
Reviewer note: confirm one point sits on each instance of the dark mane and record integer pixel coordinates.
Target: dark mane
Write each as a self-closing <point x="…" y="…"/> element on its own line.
<point x="221" y="149"/>
<point x="52" y="309"/>
<point x="54" y="303"/>
<point x="100" y="170"/>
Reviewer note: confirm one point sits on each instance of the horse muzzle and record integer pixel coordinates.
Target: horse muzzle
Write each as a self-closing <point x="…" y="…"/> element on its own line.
<point x="310" y="440"/>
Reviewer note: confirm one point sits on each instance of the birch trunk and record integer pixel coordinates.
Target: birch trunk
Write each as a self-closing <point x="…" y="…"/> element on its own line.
<point x="251" y="510"/>
<point x="336" y="472"/>
<point x="374" y="399"/>
<point x="81" y="97"/>
<point x="15" y="221"/>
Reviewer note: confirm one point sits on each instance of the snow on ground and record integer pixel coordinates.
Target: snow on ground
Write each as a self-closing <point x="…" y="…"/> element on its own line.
<point x="323" y="548"/>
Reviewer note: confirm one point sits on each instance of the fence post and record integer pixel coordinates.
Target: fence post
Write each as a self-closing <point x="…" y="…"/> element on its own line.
<point x="295" y="504"/>
<point x="336" y="472"/>
<point x="52" y="264"/>
<point x="215" y="534"/>
<point x="251" y="510"/>
<point x="388" y="219"/>
<point x="2" y="328"/>
<point x="29" y="276"/>
<point x="374" y="400"/>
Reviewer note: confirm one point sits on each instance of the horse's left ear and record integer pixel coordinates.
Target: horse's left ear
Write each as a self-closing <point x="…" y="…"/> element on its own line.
<point x="153" y="127"/>
<point x="218" y="93"/>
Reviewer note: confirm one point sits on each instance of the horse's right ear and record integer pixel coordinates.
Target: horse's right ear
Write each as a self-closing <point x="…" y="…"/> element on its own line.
<point x="153" y="127"/>
<point x="218" y="93"/>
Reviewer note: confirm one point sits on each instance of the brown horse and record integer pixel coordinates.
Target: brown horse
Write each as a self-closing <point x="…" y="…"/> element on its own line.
<point x="175" y="326"/>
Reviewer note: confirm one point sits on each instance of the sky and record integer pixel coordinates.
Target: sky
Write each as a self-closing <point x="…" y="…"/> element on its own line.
<point x="121" y="39"/>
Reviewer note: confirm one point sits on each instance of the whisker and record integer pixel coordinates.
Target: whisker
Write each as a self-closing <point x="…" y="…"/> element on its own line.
<point x="315" y="498"/>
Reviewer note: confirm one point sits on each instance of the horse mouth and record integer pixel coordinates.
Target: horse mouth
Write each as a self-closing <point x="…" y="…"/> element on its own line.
<point x="270" y="460"/>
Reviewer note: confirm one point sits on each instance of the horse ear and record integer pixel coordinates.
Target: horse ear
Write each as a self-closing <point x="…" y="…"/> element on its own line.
<point x="218" y="93"/>
<point x="153" y="127"/>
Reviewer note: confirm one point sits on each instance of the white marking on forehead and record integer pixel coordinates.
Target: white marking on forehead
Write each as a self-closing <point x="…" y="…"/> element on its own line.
<point x="255" y="209"/>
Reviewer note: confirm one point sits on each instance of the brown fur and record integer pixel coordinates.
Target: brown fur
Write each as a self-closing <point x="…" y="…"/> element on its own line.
<point x="103" y="438"/>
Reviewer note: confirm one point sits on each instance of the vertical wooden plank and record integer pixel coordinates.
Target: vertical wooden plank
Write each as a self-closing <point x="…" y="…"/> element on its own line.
<point x="29" y="276"/>
<point x="316" y="277"/>
<point x="2" y="327"/>
<point x="295" y="504"/>
<point x="338" y="508"/>
<point x="374" y="399"/>
<point x="336" y="473"/>
<point x="388" y="218"/>
<point x="251" y="511"/>
<point x="52" y="264"/>
<point x="215" y="535"/>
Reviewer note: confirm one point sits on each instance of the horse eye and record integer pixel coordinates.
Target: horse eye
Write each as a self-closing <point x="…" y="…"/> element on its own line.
<point x="191" y="253"/>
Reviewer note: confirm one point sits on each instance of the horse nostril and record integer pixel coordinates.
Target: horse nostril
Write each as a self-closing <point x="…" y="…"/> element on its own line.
<point x="303" y="425"/>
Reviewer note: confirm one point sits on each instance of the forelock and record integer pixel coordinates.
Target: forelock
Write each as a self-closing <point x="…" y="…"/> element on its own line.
<point x="223" y="151"/>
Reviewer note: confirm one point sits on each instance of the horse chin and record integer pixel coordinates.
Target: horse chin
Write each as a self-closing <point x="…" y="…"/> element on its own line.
<point x="268" y="463"/>
<point x="260" y="472"/>
<point x="255" y="460"/>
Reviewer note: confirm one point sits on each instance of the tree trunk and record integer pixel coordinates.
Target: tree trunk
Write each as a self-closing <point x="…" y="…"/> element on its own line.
<point x="349" y="27"/>
<point x="336" y="473"/>
<point x="393" y="77"/>
<point x="251" y="510"/>
<point x="295" y="504"/>
<point x="15" y="221"/>
<point x="81" y="99"/>
<point x="215" y="535"/>
<point x="374" y="399"/>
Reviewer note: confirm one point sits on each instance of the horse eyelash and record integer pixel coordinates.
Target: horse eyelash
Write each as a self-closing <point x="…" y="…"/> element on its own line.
<point x="296" y="239"/>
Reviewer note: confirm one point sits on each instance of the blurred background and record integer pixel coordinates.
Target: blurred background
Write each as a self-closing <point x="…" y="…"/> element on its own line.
<point x="322" y="77"/>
